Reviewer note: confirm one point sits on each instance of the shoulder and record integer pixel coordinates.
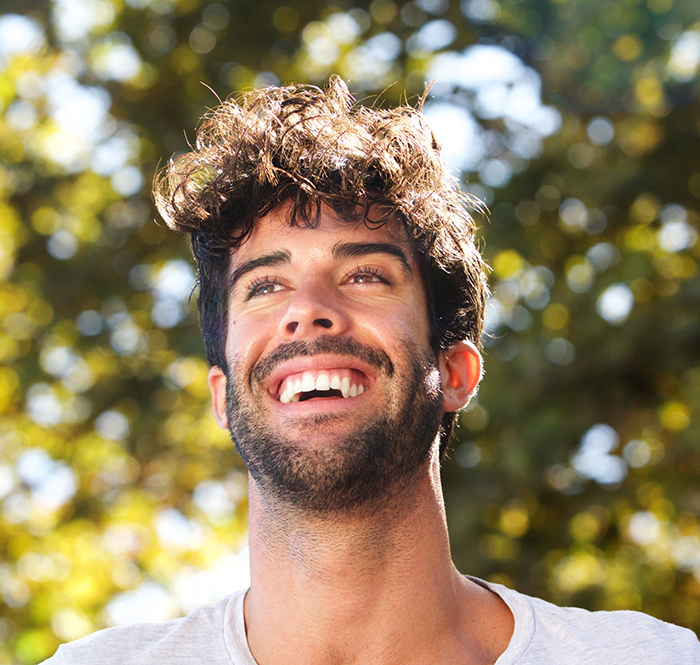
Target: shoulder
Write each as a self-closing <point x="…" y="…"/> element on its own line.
<point x="612" y="633"/>
<point x="545" y="633"/>
<point x="198" y="637"/>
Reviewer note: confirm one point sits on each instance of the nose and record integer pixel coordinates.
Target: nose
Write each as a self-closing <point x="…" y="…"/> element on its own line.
<point x="314" y="310"/>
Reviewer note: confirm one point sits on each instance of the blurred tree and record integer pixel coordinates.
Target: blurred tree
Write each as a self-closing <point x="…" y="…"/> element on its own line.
<point x="574" y="473"/>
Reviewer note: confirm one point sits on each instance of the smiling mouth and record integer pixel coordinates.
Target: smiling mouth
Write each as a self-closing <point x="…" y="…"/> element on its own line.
<point x="322" y="384"/>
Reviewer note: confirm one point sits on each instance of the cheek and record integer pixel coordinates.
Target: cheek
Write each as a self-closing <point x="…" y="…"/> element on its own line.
<point x="412" y="318"/>
<point x="410" y="323"/>
<point x="413" y="323"/>
<point x="247" y="340"/>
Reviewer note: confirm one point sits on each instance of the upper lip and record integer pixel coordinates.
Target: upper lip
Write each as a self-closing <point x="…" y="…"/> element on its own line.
<point x="316" y="362"/>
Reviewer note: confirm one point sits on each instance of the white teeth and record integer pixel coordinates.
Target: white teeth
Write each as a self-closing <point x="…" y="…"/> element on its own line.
<point x="307" y="383"/>
<point x="323" y="382"/>
<point x="291" y="392"/>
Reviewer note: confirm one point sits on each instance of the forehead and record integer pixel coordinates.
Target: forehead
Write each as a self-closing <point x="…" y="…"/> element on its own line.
<point x="273" y="232"/>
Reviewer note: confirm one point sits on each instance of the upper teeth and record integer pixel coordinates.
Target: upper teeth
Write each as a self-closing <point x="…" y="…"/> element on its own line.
<point x="293" y="387"/>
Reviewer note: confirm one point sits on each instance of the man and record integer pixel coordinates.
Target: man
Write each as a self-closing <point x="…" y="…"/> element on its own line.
<point x="341" y="302"/>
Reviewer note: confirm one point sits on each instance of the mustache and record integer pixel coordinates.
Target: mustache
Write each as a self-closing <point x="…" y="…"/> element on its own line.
<point x="342" y="346"/>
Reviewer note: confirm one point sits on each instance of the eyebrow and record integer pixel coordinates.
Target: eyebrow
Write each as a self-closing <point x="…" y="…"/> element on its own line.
<point x="347" y="250"/>
<point x="273" y="259"/>
<point x="343" y="250"/>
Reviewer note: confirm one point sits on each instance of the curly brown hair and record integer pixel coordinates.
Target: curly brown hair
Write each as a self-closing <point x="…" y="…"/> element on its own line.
<point x="309" y="148"/>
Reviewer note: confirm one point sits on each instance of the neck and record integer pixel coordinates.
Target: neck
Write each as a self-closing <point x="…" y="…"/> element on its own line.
<point x="377" y="586"/>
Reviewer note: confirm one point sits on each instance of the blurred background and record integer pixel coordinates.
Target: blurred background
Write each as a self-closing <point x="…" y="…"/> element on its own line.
<point x="574" y="475"/>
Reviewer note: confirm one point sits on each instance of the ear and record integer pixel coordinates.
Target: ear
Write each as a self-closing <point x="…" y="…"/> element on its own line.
<point x="460" y="372"/>
<point x="217" y="387"/>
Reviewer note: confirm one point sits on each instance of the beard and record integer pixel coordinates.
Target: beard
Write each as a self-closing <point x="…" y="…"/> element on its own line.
<point x="374" y="456"/>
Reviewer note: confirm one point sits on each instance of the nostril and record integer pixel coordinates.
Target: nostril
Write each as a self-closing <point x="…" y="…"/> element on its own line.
<point x="324" y="323"/>
<point x="292" y="326"/>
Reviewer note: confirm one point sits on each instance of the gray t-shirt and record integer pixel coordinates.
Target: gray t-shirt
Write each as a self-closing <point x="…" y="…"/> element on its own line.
<point x="544" y="635"/>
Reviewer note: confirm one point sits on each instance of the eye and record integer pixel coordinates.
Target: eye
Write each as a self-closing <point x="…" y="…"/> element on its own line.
<point x="368" y="275"/>
<point x="263" y="287"/>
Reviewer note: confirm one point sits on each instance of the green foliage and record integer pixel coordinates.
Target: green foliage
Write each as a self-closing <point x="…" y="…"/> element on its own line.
<point x="574" y="473"/>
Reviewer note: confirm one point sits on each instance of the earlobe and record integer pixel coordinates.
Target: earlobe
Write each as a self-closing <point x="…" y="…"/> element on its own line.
<point x="460" y="371"/>
<point x="217" y="387"/>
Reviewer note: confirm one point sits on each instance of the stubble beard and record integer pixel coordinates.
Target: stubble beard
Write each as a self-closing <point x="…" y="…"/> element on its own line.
<point x="354" y="471"/>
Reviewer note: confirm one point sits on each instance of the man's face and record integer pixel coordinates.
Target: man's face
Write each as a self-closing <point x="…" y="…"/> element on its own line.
<point x="333" y="394"/>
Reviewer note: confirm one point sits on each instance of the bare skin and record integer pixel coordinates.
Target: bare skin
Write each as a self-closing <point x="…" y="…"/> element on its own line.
<point x="374" y="585"/>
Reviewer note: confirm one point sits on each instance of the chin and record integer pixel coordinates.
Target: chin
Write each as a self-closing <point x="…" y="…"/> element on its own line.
<point x="358" y="461"/>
